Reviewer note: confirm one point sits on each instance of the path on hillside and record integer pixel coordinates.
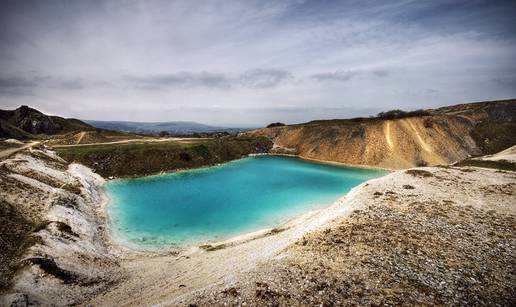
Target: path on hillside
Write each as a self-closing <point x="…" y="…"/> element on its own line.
<point x="142" y="141"/>
<point x="6" y="153"/>
<point x="422" y="142"/>
<point x="387" y="132"/>
<point x="81" y="136"/>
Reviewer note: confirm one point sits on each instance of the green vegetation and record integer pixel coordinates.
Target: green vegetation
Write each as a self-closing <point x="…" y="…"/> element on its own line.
<point x="139" y="159"/>
<point x="392" y="114"/>
<point x="395" y="114"/>
<point x="278" y="124"/>
<point x="338" y="122"/>
<point x="500" y="164"/>
<point x="494" y="137"/>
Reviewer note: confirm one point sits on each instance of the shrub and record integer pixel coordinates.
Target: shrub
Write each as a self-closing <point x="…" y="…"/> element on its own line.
<point x="396" y="114"/>
<point x="278" y="124"/>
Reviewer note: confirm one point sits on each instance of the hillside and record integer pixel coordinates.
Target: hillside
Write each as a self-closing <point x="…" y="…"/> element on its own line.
<point x="147" y="157"/>
<point x="431" y="137"/>
<point x="175" y="127"/>
<point x="25" y="122"/>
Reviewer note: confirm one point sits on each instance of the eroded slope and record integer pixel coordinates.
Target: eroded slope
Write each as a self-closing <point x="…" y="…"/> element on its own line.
<point x="55" y="247"/>
<point x="440" y="136"/>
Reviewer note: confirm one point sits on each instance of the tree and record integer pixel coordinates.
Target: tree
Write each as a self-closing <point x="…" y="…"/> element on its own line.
<point x="164" y="134"/>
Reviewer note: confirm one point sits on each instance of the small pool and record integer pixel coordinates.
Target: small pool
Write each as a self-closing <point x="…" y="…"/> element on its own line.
<point x="219" y="202"/>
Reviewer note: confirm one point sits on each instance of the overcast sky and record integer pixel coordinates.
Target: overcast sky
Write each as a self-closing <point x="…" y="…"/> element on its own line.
<point x="253" y="62"/>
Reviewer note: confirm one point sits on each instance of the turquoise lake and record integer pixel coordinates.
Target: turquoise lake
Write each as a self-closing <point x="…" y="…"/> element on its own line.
<point x="219" y="202"/>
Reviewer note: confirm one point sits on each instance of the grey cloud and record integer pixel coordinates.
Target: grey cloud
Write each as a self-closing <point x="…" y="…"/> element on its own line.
<point x="16" y="85"/>
<point x="181" y="79"/>
<point x="344" y="76"/>
<point x="341" y="76"/>
<point x="264" y="78"/>
<point x="19" y="86"/>
<point x="380" y="73"/>
<point x="258" y="78"/>
<point x="71" y="85"/>
<point x="17" y="82"/>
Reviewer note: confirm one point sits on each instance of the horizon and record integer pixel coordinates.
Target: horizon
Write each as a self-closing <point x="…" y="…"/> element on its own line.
<point x="244" y="126"/>
<point x="251" y="63"/>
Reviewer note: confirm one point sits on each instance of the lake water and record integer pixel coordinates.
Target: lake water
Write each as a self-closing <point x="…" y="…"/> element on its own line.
<point x="218" y="202"/>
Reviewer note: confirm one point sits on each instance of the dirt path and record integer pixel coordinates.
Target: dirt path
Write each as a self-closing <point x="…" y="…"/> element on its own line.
<point x="387" y="132"/>
<point x="6" y="153"/>
<point x="422" y="142"/>
<point x="136" y="141"/>
<point x="81" y="136"/>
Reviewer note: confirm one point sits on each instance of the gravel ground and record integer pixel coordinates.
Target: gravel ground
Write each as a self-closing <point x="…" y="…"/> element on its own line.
<point x="401" y="248"/>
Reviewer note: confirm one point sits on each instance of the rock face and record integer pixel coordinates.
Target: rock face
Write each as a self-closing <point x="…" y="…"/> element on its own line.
<point x="444" y="136"/>
<point x="35" y="122"/>
<point x="25" y="122"/>
<point x="66" y="258"/>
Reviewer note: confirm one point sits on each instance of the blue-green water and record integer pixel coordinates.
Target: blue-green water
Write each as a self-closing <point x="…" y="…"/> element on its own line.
<point x="218" y="202"/>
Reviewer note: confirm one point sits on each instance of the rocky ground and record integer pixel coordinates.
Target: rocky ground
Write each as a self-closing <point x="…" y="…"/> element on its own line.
<point x="428" y="236"/>
<point x="424" y="236"/>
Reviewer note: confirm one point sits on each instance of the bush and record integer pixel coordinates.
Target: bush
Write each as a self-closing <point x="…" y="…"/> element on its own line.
<point x="275" y="125"/>
<point x="397" y="113"/>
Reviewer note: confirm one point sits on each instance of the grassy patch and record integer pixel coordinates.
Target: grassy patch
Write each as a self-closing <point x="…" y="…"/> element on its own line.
<point x="494" y="137"/>
<point x="500" y="164"/>
<point x="125" y="160"/>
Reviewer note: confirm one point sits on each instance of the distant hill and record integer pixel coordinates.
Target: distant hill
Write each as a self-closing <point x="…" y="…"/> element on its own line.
<point x="25" y="122"/>
<point x="175" y="127"/>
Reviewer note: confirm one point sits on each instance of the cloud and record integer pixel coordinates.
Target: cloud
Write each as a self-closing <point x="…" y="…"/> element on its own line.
<point x="380" y="73"/>
<point x="264" y="78"/>
<point x="340" y="76"/>
<point x="19" y="86"/>
<point x="151" y="58"/>
<point x="71" y="84"/>
<point x="181" y="79"/>
<point x="257" y="78"/>
<point x="17" y="82"/>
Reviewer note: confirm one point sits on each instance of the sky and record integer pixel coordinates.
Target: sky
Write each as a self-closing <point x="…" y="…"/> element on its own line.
<point x="249" y="63"/>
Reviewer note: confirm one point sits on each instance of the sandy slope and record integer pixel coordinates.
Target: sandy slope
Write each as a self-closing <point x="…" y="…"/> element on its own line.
<point x="509" y="155"/>
<point x="393" y="144"/>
